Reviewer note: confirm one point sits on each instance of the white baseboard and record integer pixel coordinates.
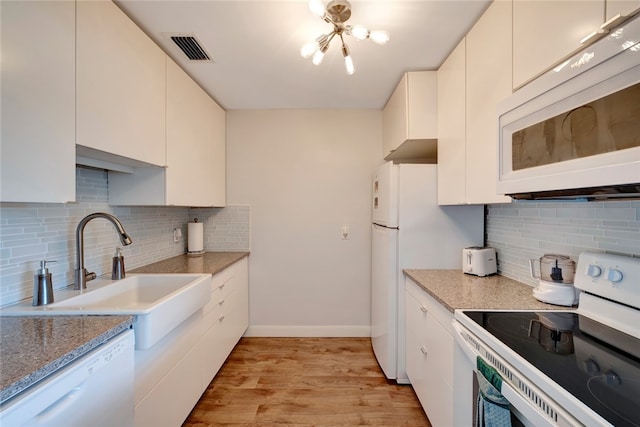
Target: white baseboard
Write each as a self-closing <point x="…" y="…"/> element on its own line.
<point x="307" y="331"/>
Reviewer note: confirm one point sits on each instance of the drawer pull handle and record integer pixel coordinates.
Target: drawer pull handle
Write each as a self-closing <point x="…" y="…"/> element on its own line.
<point x="423" y="350"/>
<point x="423" y="309"/>
<point x="221" y="318"/>
<point x="221" y="287"/>
<point x="221" y="302"/>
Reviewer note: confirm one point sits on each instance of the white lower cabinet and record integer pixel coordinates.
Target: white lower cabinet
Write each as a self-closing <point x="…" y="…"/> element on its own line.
<point x="429" y="354"/>
<point x="172" y="375"/>
<point x="226" y="317"/>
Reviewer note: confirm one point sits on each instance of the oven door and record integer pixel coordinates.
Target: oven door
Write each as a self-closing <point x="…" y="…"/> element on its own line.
<point x="576" y="127"/>
<point x="544" y="412"/>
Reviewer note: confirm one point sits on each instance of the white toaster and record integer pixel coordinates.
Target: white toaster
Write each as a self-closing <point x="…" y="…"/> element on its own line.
<point x="479" y="261"/>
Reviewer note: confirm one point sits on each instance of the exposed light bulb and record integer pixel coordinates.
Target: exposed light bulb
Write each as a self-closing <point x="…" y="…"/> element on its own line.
<point x="348" y="63"/>
<point x="317" y="57"/>
<point x="317" y="7"/>
<point x="309" y="49"/>
<point x="359" y="32"/>
<point x="380" y="37"/>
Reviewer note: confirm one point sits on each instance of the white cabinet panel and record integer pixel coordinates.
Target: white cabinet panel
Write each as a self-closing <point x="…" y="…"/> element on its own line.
<point x="471" y="82"/>
<point x="120" y="85"/>
<point x="545" y="32"/>
<point x="411" y="112"/>
<point x="195" y="141"/>
<point x="488" y="83"/>
<point x="170" y="403"/>
<point x="452" y="167"/>
<point x="38" y="102"/>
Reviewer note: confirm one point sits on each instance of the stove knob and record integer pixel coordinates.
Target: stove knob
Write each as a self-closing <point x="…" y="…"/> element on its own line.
<point x="591" y="367"/>
<point x="612" y="378"/>
<point x="593" y="270"/>
<point x="614" y="275"/>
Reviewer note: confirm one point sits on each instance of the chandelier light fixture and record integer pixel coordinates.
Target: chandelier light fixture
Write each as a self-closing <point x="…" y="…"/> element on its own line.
<point x="336" y="13"/>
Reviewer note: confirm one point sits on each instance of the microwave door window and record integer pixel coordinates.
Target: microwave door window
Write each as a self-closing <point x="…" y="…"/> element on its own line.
<point x="611" y="123"/>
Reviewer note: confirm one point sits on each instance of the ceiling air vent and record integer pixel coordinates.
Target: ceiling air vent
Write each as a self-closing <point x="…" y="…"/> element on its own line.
<point x="190" y="46"/>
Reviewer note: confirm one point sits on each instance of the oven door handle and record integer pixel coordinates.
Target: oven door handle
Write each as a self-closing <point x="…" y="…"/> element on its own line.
<point x="525" y="411"/>
<point x="528" y="414"/>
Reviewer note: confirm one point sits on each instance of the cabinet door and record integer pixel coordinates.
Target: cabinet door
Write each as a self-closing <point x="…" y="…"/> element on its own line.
<point x="545" y="32"/>
<point x="488" y="83"/>
<point x="38" y="102"/>
<point x="193" y="152"/>
<point x="411" y="111"/>
<point x="451" y="128"/>
<point x="394" y="118"/>
<point x="120" y="85"/>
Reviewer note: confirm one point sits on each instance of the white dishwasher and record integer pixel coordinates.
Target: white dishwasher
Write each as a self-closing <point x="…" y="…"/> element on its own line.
<point x="95" y="390"/>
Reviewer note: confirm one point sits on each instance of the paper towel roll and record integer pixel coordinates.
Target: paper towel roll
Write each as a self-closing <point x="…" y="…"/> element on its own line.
<point x="195" y="236"/>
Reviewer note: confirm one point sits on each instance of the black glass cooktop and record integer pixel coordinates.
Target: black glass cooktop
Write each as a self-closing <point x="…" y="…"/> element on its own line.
<point x="598" y="365"/>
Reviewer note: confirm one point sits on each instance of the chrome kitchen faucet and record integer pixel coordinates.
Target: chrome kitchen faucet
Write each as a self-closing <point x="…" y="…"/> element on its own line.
<point x="81" y="275"/>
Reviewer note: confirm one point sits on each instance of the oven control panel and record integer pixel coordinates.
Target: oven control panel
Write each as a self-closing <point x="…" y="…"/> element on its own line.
<point x="614" y="277"/>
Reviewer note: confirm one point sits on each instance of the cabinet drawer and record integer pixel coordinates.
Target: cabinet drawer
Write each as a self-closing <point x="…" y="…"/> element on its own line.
<point x="227" y="324"/>
<point x="178" y="391"/>
<point x="429" y="354"/>
<point x="441" y="314"/>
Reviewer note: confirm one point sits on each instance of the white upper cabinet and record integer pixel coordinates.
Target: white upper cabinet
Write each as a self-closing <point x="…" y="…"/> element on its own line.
<point x="409" y="119"/>
<point x="195" y="172"/>
<point x="38" y="102"/>
<point x="120" y="85"/>
<point x="488" y="83"/>
<point x="546" y="32"/>
<point x="452" y="167"/>
<point x="195" y="143"/>
<point x="471" y="82"/>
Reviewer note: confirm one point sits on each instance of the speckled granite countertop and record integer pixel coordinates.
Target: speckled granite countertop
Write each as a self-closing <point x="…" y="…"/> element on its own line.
<point x="32" y="347"/>
<point x="456" y="290"/>
<point x="209" y="262"/>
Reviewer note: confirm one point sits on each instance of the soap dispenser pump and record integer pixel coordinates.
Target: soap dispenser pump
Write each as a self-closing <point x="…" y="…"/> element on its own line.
<point x="117" y="269"/>
<point x="43" y="285"/>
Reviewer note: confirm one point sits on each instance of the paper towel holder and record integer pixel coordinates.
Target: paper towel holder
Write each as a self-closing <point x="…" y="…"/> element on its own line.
<point x="195" y="238"/>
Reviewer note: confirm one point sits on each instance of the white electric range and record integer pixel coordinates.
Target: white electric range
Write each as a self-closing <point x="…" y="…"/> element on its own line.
<point x="561" y="368"/>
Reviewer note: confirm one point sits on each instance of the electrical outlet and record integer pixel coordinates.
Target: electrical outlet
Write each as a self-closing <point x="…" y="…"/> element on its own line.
<point x="345" y="232"/>
<point x="177" y="234"/>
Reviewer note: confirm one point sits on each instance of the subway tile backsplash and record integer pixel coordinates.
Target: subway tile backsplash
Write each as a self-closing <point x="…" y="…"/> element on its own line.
<point x="524" y="230"/>
<point x="30" y="232"/>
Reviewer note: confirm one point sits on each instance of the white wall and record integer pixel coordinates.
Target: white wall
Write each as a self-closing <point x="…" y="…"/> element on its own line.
<point x="306" y="174"/>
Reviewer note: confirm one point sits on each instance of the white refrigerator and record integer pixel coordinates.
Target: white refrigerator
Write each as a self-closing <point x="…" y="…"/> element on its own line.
<point x="410" y="231"/>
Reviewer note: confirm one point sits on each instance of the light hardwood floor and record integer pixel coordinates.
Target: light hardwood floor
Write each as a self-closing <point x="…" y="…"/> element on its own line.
<point x="305" y="382"/>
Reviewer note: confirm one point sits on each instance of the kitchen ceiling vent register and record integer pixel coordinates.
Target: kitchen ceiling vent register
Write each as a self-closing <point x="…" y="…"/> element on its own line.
<point x="190" y="46"/>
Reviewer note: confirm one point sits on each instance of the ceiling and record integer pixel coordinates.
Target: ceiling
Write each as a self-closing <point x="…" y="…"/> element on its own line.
<point x="255" y="47"/>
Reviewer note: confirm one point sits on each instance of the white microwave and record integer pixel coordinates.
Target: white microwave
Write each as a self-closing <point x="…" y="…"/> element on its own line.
<point x="575" y="131"/>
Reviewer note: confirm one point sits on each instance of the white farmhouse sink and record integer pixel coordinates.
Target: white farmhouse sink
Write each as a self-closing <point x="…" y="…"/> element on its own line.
<point x="159" y="302"/>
